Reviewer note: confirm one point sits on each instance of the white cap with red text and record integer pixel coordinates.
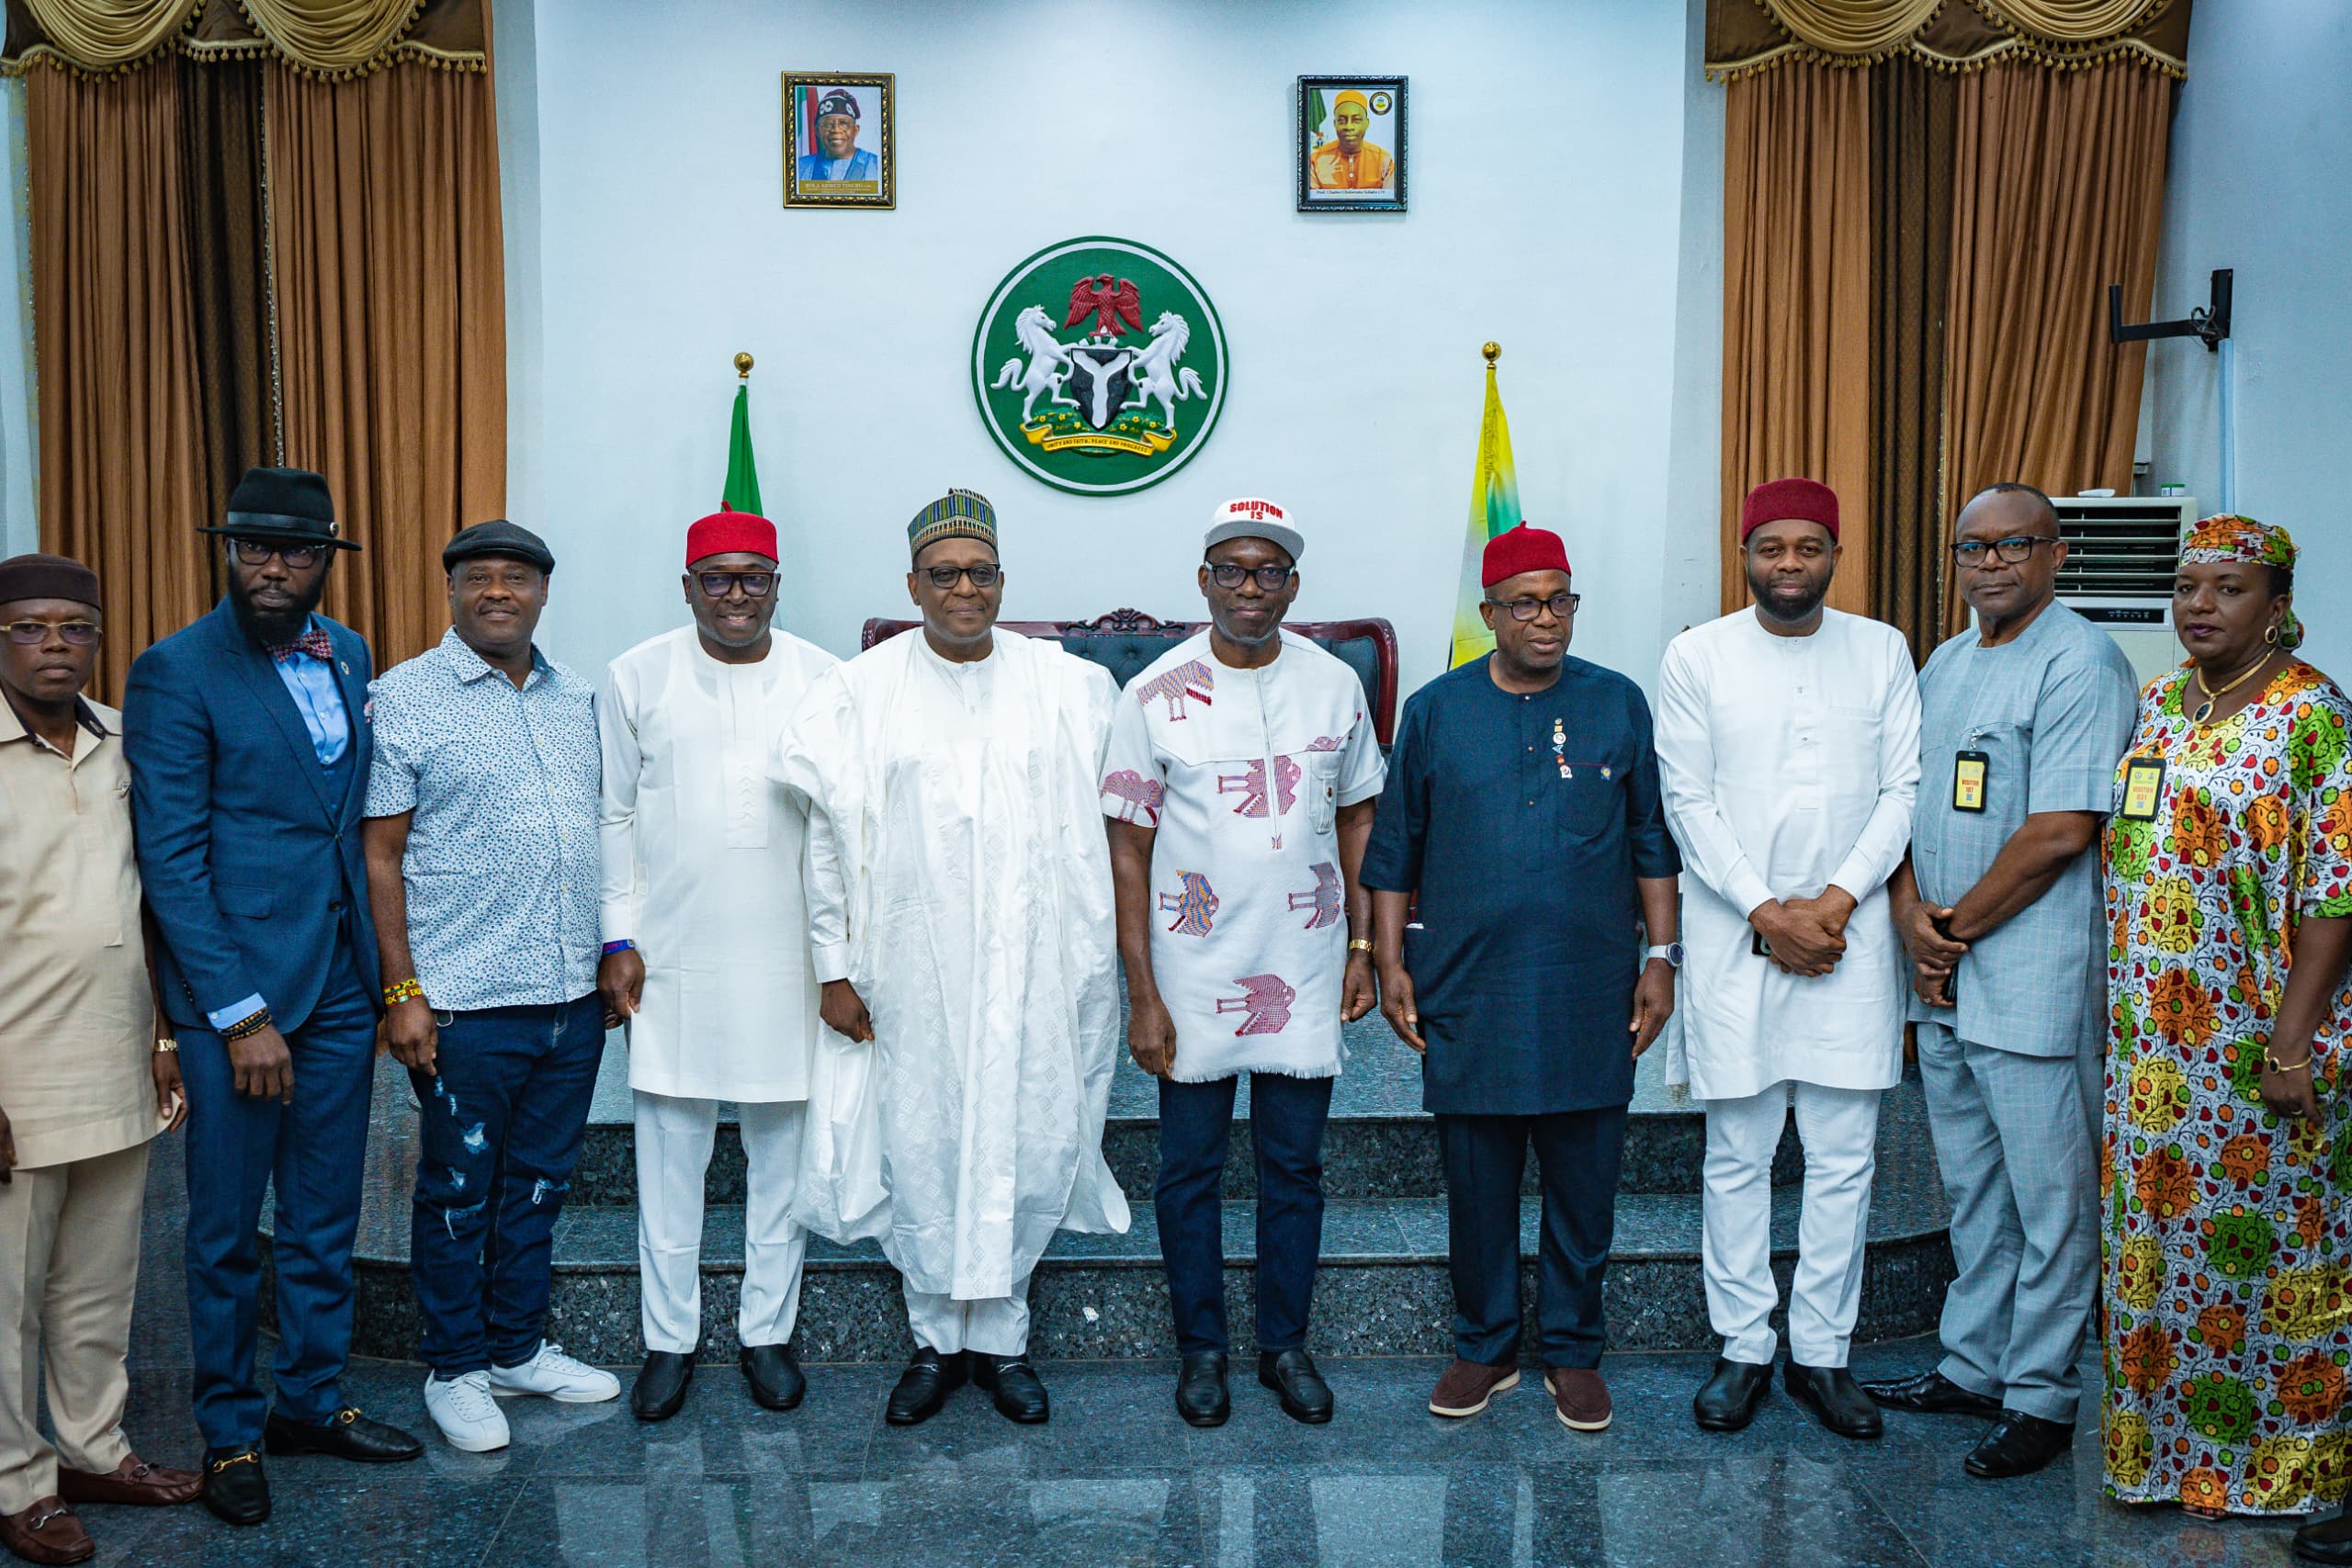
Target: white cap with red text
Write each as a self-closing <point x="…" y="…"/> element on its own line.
<point x="1256" y="518"/>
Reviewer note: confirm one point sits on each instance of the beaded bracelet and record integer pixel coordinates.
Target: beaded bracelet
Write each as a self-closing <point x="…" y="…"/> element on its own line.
<point x="402" y="990"/>
<point x="248" y="1026"/>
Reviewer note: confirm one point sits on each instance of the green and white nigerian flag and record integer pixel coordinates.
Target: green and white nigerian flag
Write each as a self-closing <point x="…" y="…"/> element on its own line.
<point x="742" y="492"/>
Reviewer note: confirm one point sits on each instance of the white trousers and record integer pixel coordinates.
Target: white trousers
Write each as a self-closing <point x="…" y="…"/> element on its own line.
<point x="1840" y="1130"/>
<point x="994" y="1326"/>
<point x="673" y="1142"/>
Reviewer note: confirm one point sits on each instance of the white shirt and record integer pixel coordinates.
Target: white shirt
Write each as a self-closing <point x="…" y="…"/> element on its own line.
<point x="1249" y="921"/>
<point x="1788" y="763"/>
<point x="959" y="877"/>
<point x="702" y="857"/>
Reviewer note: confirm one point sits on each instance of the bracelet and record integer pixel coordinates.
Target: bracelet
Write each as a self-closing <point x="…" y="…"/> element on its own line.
<point x="403" y="990"/>
<point x="248" y="1026"/>
<point x="168" y="1046"/>
<point x="624" y="945"/>
<point x="2271" y="1061"/>
<point x="1359" y="944"/>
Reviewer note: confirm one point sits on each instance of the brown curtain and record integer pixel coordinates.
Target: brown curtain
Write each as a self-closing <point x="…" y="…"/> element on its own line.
<point x="1912" y="114"/>
<point x="2057" y="188"/>
<point x="221" y="110"/>
<point x="1797" y="303"/>
<point x="391" y="325"/>
<point x="122" y="462"/>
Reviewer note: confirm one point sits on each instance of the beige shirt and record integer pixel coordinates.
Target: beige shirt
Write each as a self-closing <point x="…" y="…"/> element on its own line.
<point x="77" y="1016"/>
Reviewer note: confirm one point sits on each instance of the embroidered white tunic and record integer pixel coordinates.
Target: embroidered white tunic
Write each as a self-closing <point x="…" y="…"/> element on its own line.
<point x="1241" y="772"/>
<point x="1788" y="763"/>
<point x="959" y="876"/>
<point x="701" y="854"/>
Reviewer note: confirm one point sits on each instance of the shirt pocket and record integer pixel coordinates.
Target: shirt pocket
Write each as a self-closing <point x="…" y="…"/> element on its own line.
<point x="1322" y="786"/>
<point x="1591" y="800"/>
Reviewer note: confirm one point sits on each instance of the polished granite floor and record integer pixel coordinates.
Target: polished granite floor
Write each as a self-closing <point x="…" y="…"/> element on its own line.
<point x="1117" y="1478"/>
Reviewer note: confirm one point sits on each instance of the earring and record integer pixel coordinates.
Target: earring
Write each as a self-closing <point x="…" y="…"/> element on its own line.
<point x="2270" y="636"/>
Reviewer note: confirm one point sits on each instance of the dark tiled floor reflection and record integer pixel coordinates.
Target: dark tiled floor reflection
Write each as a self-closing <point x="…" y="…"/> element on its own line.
<point x="1116" y="1479"/>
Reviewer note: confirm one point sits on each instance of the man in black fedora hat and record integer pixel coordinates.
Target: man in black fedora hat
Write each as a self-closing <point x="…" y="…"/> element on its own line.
<point x="249" y="738"/>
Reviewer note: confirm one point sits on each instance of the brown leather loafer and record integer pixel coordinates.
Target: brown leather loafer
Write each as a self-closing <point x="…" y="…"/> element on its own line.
<point x="47" y="1532"/>
<point x="1465" y="1387"/>
<point x="1579" y="1397"/>
<point x="134" y="1481"/>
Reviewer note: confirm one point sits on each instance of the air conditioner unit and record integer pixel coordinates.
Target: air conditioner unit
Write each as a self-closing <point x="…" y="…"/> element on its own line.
<point x="2122" y="553"/>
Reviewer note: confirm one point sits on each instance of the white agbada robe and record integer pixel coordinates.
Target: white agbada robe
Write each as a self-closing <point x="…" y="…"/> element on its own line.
<point x="1249" y="924"/>
<point x="1787" y="764"/>
<point x="959" y="876"/>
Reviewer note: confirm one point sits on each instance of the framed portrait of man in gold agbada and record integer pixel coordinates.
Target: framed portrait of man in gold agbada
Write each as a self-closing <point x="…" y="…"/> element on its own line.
<point x="1351" y="143"/>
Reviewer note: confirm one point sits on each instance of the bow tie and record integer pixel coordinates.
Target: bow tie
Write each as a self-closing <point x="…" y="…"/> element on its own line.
<point x="313" y="643"/>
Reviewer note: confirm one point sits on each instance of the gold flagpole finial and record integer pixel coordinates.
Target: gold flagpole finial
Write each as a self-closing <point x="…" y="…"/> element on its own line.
<point x="742" y="367"/>
<point x="1493" y="351"/>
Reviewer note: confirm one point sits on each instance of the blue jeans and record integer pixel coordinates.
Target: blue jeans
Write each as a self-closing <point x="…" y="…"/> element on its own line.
<point x="1287" y="1117"/>
<point x="313" y="1151"/>
<point x="505" y="1112"/>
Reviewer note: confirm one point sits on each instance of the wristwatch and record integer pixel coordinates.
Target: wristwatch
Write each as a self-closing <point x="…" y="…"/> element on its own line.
<point x="1671" y="952"/>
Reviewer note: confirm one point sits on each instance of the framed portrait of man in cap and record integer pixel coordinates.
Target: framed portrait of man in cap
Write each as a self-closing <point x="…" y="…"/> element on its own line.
<point x="839" y="140"/>
<point x="1351" y="144"/>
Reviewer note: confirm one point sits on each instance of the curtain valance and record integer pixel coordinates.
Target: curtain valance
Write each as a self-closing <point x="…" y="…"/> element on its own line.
<point x="1748" y="36"/>
<point x="333" y="39"/>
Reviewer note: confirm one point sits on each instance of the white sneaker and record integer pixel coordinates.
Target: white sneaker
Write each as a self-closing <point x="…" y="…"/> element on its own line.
<point x="558" y="1377"/>
<point x="466" y="1413"/>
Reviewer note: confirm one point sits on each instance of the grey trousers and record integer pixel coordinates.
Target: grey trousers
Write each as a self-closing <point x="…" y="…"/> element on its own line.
<point x="2018" y="1147"/>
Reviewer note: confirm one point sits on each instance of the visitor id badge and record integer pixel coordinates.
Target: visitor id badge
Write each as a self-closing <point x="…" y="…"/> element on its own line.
<point x="1968" y="768"/>
<point x="2144" y="788"/>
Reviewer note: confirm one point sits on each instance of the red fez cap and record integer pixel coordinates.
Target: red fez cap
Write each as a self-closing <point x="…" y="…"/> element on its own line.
<point x="724" y="533"/>
<point x="1780" y="500"/>
<point x="1522" y="549"/>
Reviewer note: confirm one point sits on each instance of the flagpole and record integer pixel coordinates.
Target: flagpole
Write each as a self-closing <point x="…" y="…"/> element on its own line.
<point x="743" y="365"/>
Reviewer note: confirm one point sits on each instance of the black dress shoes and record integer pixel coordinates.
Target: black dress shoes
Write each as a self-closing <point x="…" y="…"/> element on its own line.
<point x="774" y="1375"/>
<point x="1835" y="1400"/>
<point x="1201" y="1397"/>
<point x="2019" y="1444"/>
<point x="1019" y="1395"/>
<point x="660" y="1391"/>
<point x="348" y="1435"/>
<point x="2325" y="1540"/>
<point x="234" y="1487"/>
<point x="1932" y="1394"/>
<point x="923" y="1387"/>
<point x="1727" y="1401"/>
<point x="1291" y="1375"/>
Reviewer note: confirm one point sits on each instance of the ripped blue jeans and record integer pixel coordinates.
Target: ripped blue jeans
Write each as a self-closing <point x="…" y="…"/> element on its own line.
<point x="506" y="1110"/>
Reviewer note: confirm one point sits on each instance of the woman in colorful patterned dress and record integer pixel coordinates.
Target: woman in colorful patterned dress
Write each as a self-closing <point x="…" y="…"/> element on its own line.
<point x="2228" y="1148"/>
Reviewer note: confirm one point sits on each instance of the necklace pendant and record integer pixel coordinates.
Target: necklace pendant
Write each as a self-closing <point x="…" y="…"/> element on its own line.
<point x="2201" y="714"/>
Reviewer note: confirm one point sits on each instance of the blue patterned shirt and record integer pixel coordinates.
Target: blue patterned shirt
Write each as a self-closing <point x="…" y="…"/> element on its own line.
<point x="504" y="869"/>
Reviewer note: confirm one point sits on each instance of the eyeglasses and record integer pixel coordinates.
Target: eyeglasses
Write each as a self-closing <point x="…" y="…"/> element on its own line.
<point x="1561" y="604"/>
<point x="1270" y="577"/>
<point x="256" y="552"/>
<point x="943" y="577"/>
<point x="32" y="634"/>
<point x="2013" y="549"/>
<point x="718" y="585"/>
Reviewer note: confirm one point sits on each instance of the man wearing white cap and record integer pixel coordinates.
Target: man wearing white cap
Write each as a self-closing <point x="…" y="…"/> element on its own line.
<point x="1240" y="786"/>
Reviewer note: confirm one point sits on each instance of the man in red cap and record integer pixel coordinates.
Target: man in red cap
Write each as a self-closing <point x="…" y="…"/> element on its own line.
<point x="1522" y="807"/>
<point x="1789" y="739"/>
<point x="706" y="948"/>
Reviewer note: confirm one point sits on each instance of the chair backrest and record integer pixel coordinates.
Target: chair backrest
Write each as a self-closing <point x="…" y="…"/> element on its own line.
<point x="1125" y="641"/>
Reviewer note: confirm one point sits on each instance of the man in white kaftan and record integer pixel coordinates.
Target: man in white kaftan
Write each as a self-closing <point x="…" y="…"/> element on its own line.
<point x="959" y="901"/>
<point x="706" y="948"/>
<point x="1788" y="744"/>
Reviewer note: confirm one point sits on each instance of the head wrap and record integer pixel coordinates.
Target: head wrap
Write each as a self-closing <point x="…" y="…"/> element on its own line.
<point x="958" y="515"/>
<point x="48" y="577"/>
<point x="727" y="532"/>
<point x="1781" y="501"/>
<point x="837" y="102"/>
<point x="497" y="537"/>
<point x="2230" y="537"/>
<point x="1352" y="96"/>
<point x="1255" y="517"/>
<point x="1522" y="549"/>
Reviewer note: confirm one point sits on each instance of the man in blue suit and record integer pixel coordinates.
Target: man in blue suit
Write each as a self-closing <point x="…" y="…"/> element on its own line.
<point x="249" y="769"/>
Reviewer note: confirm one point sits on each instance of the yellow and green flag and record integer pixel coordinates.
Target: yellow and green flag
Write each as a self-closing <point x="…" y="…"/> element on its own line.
<point x="742" y="492"/>
<point x="1494" y="509"/>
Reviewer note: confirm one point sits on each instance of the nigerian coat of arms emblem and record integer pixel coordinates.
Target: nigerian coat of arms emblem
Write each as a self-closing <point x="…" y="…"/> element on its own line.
<point x="1098" y="365"/>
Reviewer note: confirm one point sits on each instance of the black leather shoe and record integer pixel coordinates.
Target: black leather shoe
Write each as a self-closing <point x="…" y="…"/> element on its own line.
<point x="1835" y="1400"/>
<point x="2325" y="1540"/>
<point x="1292" y="1374"/>
<point x="774" y="1375"/>
<point x="1200" y="1397"/>
<point x="660" y="1391"/>
<point x="2019" y="1444"/>
<point x="234" y="1488"/>
<point x="1019" y="1395"/>
<point x="349" y="1435"/>
<point x="1728" y="1400"/>
<point x="1932" y="1393"/>
<point x="923" y="1387"/>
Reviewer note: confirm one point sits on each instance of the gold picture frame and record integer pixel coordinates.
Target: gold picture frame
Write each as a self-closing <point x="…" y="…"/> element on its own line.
<point x="817" y="172"/>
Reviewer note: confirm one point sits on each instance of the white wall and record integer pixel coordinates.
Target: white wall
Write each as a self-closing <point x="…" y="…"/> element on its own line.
<point x="2260" y="149"/>
<point x="1547" y="180"/>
